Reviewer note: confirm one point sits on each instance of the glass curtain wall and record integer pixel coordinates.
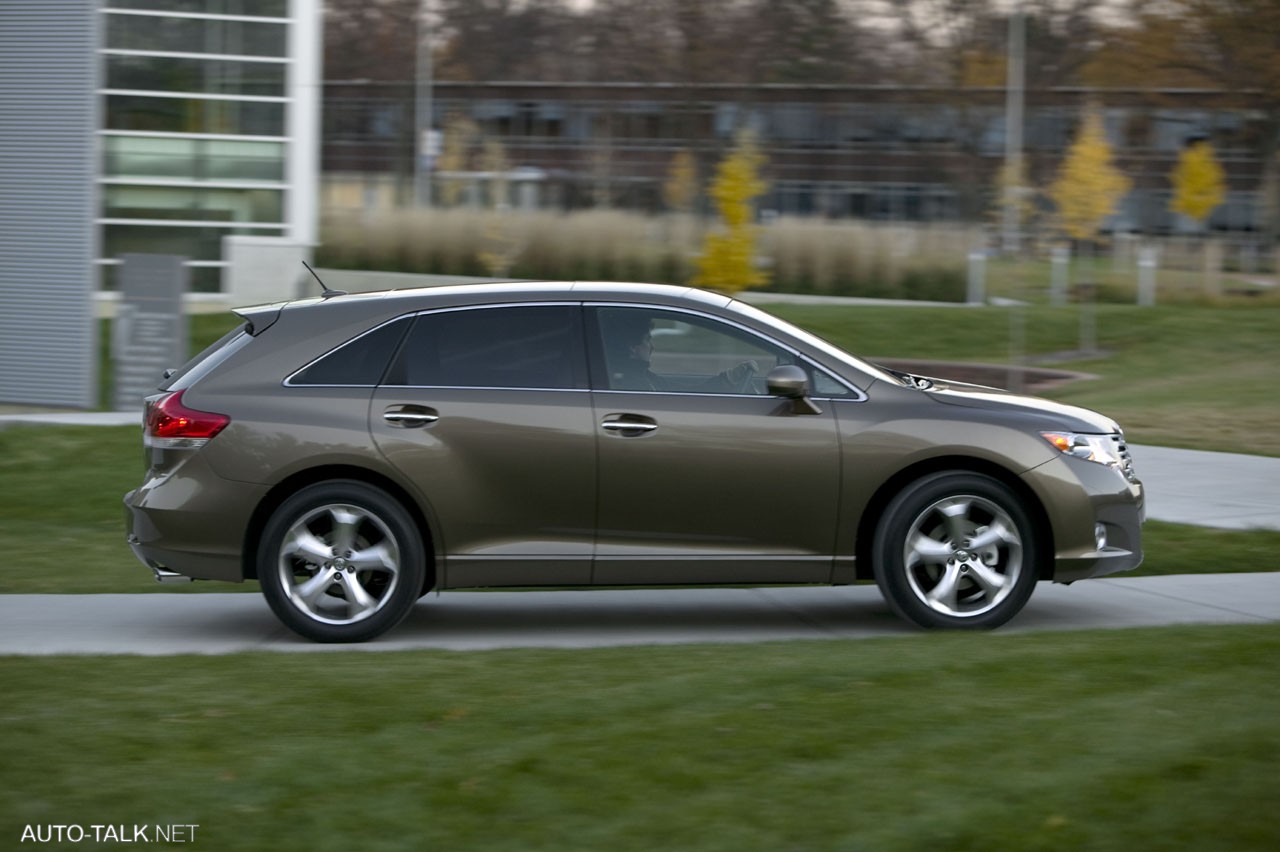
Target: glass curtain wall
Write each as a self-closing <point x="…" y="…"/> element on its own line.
<point x="194" y="131"/>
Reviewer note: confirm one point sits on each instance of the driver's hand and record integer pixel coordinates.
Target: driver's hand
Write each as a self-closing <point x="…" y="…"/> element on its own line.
<point x="743" y="371"/>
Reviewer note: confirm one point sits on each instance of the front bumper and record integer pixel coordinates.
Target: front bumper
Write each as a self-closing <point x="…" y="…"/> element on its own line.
<point x="1079" y="496"/>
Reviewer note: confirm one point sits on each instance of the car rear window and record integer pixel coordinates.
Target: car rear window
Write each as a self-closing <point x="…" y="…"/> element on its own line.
<point x="360" y="362"/>
<point x="208" y="358"/>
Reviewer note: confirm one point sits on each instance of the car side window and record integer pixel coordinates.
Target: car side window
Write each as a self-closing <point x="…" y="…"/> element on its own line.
<point x="527" y="346"/>
<point x="824" y="385"/>
<point x="650" y="349"/>
<point x="359" y="362"/>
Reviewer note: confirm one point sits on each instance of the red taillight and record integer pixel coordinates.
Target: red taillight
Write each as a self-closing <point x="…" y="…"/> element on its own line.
<point x="171" y="422"/>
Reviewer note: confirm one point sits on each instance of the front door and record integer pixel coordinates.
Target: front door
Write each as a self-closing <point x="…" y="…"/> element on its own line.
<point x="703" y="477"/>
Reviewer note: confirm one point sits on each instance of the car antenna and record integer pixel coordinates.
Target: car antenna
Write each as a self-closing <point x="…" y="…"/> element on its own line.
<point x="326" y="293"/>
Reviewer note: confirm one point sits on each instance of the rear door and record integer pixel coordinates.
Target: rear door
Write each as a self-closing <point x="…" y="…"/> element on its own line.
<point x="486" y="410"/>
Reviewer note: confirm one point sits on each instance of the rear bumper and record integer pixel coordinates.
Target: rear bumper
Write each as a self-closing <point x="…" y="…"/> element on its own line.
<point x="190" y="528"/>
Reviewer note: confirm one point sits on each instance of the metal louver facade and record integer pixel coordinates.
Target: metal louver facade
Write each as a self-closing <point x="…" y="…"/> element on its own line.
<point x="48" y="197"/>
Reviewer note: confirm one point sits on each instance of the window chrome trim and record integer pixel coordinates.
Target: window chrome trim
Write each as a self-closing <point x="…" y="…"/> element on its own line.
<point x="860" y="398"/>
<point x="459" y="388"/>
<point x="859" y="395"/>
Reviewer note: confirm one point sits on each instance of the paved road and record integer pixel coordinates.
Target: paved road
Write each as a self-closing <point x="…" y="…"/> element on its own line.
<point x="161" y="624"/>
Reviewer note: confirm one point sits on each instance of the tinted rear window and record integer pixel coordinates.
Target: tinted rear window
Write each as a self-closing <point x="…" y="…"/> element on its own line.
<point x="533" y="346"/>
<point x="211" y="356"/>
<point x="361" y="361"/>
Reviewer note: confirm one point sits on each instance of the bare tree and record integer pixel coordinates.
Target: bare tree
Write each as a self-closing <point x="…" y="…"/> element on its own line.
<point x="370" y="41"/>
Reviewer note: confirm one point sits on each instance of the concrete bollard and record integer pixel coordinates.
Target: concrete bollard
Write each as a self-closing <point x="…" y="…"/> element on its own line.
<point x="1213" y="257"/>
<point x="1148" y="261"/>
<point x="977" y="277"/>
<point x="1059" y="259"/>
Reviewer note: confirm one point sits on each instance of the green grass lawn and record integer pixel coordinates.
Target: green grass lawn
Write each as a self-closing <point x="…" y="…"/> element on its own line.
<point x="1142" y="739"/>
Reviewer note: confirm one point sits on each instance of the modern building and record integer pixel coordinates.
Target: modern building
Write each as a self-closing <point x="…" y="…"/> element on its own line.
<point x="210" y="128"/>
<point x="151" y="126"/>
<point x="875" y="152"/>
<point x="48" y="118"/>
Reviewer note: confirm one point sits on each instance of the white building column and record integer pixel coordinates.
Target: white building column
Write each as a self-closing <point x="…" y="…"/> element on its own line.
<point x="302" y="121"/>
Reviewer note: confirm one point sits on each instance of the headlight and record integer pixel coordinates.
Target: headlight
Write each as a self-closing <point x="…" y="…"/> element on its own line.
<point x="1098" y="448"/>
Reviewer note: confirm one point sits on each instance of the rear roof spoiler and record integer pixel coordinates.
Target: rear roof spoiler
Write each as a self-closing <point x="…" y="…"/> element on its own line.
<point x="259" y="318"/>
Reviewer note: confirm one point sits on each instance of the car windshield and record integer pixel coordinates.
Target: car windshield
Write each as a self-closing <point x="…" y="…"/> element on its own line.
<point x="817" y="343"/>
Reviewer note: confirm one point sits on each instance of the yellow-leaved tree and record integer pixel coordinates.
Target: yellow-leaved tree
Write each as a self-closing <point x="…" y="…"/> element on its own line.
<point x="460" y="133"/>
<point x="1087" y="191"/>
<point x="501" y="245"/>
<point x="680" y="190"/>
<point x="727" y="262"/>
<point x="1013" y="190"/>
<point x="1089" y="187"/>
<point x="1198" y="183"/>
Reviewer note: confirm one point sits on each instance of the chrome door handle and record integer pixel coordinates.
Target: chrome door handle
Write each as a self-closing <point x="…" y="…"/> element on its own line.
<point x="400" y="417"/>
<point x="628" y="426"/>
<point x="410" y="416"/>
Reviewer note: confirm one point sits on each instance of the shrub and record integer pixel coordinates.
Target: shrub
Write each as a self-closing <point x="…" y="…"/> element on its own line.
<point x="842" y="258"/>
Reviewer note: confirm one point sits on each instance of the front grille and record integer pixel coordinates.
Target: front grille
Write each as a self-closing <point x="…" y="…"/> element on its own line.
<point x="1126" y="459"/>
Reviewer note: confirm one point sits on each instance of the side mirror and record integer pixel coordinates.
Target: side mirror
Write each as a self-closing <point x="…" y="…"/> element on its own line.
<point x="791" y="382"/>
<point x="788" y="381"/>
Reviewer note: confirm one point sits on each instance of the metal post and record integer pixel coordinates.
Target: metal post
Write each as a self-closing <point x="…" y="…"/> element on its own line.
<point x="1017" y="379"/>
<point x="422" y="109"/>
<point x="1088" y="290"/>
<point x="1015" y="82"/>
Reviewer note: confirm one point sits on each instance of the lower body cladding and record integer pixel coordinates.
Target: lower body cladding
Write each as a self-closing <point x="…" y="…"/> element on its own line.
<point x="1096" y="517"/>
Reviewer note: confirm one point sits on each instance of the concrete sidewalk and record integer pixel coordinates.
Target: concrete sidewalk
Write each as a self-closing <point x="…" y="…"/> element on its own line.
<point x="166" y="624"/>
<point x="1223" y="490"/>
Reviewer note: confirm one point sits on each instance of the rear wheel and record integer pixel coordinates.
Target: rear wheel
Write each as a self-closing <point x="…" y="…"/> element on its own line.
<point x="956" y="550"/>
<point x="341" y="561"/>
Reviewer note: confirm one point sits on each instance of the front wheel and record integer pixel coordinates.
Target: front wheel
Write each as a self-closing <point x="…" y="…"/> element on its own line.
<point x="341" y="561"/>
<point x="956" y="550"/>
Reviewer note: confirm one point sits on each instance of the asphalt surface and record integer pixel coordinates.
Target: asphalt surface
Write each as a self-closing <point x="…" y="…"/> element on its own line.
<point x="1183" y="486"/>
<point x="159" y="624"/>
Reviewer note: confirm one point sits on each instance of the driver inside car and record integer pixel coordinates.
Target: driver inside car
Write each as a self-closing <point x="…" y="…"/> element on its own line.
<point x="631" y="351"/>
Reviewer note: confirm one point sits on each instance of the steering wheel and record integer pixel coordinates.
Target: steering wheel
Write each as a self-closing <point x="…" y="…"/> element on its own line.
<point x="749" y="371"/>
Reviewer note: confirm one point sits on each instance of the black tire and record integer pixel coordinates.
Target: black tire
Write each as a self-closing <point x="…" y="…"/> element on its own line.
<point x="956" y="550"/>
<point x="341" y="561"/>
